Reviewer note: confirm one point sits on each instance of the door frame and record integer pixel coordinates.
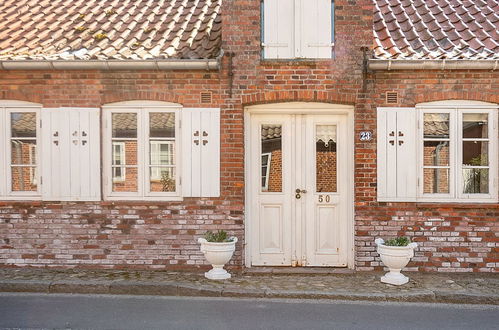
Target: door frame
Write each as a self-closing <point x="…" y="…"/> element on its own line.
<point x="303" y="108"/>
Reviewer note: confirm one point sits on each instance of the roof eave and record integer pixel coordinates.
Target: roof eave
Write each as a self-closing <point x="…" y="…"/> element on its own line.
<point x="170" y="64"/>
<point x="389" y="65"/>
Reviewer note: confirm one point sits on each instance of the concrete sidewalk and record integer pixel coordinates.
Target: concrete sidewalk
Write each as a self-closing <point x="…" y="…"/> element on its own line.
<point x="445" y="288"/>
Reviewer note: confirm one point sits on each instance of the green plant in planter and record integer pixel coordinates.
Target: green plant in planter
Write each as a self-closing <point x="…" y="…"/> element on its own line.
<point x="398" y="241"/>
<point x="217" y="237"/>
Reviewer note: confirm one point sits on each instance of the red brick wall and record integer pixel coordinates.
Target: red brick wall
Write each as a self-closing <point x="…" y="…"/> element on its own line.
<point x="453" y="237"/>
<point x="121" y="234"/>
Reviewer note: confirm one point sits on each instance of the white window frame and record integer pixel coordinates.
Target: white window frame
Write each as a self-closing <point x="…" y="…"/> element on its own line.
<point x="142" y="109"/>
<point x="267" y="171"/>
<point x="122" y="154"/>
<point x="456" y="109"/>
<point x="7" y="107"/>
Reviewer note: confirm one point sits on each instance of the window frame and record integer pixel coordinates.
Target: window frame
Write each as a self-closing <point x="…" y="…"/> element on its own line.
<point x="265" y="188"/>
<point x="456" y="111"/>
<point x="6" y="109"/>
<point x="142" y="109"/>
<point x="122" y="177"/>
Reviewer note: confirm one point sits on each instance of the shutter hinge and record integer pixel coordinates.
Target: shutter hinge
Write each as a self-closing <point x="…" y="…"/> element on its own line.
<point x="41" y="179"/>
<point x="418" y="182"/>
<point x="180" y="123"/>
<point x="41" y="123"/>
<point x="180" y="180"/>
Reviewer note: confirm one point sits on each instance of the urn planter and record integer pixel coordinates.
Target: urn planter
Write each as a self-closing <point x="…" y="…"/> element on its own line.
<point x="218" y="254"/>
<point x="395" y="258"/>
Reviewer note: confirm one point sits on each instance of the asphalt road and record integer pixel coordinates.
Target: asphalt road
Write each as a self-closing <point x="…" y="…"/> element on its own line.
<point x="146" y="312"/>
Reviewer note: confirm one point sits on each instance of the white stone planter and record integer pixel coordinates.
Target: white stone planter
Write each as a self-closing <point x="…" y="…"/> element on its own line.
<point x="395" y="258"/>
<point x="218" y="254"/>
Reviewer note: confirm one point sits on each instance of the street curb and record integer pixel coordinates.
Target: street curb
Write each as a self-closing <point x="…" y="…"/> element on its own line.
<point x="175" y="289"/>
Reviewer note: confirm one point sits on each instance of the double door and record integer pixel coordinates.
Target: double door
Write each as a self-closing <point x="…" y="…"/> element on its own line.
<point x="299" y="190"/>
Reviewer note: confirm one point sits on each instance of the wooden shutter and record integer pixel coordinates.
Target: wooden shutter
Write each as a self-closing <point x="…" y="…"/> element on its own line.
<point x="278" y="28"/>
<point x="200" y="152"/>
<point x="3" y="146"/>
<point x="314" y="29"/>
<point x="71" y="154"/>
<point x="397" y="162"/>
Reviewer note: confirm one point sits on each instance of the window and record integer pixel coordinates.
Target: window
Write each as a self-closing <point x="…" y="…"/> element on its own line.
<point x="438" y="152"/>
<point x="118" y="162"/>
<point x="457" y="148"/>
<point x="142" y="152"/>
<point x="20" y="139"/>
<point x="266" y="157"/>
<point x="297" y="28"/>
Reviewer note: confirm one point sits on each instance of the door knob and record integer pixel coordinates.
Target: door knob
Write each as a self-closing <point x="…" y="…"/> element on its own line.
<point x="299" y="192"/>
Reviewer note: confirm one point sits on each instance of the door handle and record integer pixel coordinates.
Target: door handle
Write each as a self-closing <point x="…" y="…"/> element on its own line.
<point x="299" y="192"/>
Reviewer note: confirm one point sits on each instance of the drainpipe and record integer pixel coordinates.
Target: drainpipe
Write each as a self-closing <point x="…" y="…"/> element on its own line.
<point x="379" y="65"/>
<point x="207" y="64"/>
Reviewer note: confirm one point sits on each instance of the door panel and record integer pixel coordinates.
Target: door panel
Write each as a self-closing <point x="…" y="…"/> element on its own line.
<point x="299" y="165"/>
<point x="326" y="177"/>
<point x="271" y="166"/>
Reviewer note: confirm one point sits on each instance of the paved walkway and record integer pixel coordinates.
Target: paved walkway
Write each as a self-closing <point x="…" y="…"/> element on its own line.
<point x="448" y="288"/>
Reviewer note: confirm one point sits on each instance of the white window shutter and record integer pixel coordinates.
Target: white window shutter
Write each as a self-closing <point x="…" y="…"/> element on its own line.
<point x="55" y="156"/>
<point x="200" y="152"/>
<point x="406" y="154"/>
<point x="278" y="27"/>
<point x="314" y="29"/>
<point x="88" y="155"/>
<point x="3" y="146"/>
<point x="396" y="156"/>
<point x="71" y="154"/>
<point x="210" y="153"/>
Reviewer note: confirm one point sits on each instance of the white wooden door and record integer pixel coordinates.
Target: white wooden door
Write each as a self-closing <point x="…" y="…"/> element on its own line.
<point x="299" y="190"/>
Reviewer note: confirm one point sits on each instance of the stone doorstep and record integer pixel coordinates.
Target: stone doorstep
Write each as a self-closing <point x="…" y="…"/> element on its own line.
<point x="296" y="270"/>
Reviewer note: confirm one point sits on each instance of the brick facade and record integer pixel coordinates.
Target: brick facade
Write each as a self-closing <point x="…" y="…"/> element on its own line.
<point x="452" y="237"/>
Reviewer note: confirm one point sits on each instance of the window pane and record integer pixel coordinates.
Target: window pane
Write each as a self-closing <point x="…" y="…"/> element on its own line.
<point x="125" y="153"/>
<point x="23" y="124"/>
<point x="436" y="153"/>
<point x="162" y="124"/>
<point x="162" y="153"/>
<point x="124" y="125"/>
<point x="24" y="178"/>
<point x="162" y="179"/>
<point x="271" y="140"/>
<point x="23" y="152"/>
<point x="475" y="125"/>
<point x="475" y="181"/>
<point x="436" y="181"/>
<point x="125" y="179"/>
<point x="326" y="158"/>
<point x="436" y="125"/>
<point x="475" y="153"/>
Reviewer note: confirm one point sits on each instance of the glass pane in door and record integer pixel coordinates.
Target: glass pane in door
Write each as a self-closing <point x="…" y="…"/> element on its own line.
<point x="271" y="158"/>
<point x="325" y="158"/>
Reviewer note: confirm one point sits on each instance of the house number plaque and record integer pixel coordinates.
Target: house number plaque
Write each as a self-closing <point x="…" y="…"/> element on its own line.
<point x="366" y="136"/>
<point x="323" y="199"/>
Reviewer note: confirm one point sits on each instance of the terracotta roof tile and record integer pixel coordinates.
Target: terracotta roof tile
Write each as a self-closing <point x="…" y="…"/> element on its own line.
<point x="109" y="29"/>
<point x="436" y="29"/>
<point x="181" y="29"/>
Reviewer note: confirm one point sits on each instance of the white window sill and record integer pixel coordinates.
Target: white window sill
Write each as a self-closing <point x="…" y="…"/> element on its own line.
<point x="144" y="199"/>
